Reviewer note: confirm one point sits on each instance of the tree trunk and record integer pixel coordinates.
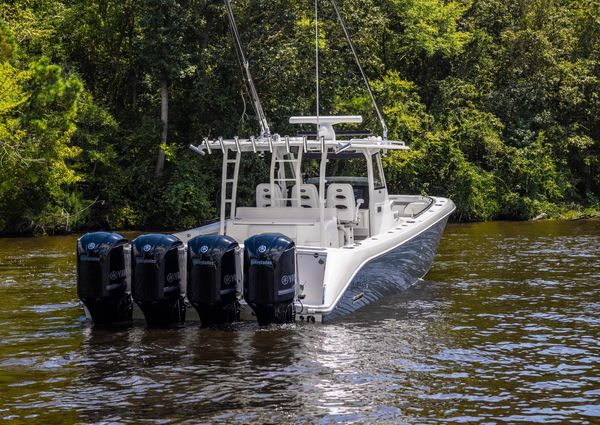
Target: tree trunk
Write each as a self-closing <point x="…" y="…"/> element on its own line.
<point x="164" y="117"/>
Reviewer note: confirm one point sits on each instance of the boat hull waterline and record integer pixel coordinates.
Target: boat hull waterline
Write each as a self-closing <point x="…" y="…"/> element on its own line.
<point x="390" y="273"/>
<point x="363" y="274"/>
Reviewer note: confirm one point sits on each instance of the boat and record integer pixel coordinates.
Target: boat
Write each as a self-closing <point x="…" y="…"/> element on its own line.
<point x="322" y="239"/>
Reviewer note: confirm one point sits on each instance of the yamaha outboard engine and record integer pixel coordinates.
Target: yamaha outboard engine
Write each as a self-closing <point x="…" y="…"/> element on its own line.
<point x="213" y="270"/>
<point x="270" y="277"/>
<point x="158" y="278"/>
<point x="103" y="276"/>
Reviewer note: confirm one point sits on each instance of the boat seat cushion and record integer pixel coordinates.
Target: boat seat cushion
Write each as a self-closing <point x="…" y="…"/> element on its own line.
<point x="341" y="197"/>
<point x="264" y="197"/>
<point x="285" y="215"/>
<point x="308" y="194"/>
<point x="300" y="224"/>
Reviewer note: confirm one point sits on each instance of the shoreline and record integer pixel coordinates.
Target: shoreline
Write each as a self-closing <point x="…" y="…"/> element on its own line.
<point x="590" y="214"/>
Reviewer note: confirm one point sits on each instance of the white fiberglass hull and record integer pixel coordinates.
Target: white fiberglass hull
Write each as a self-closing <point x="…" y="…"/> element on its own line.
<point x="338" y="281"/>
<point x="386" y="263"/>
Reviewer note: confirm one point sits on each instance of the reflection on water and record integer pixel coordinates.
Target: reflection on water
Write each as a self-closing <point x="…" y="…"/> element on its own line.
<point x="506" y="328"/>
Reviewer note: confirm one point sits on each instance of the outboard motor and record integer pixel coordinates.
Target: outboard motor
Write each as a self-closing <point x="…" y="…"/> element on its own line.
<point x="103" y="276"/>
<point x="213" y="271"/>
<point x="158" y="278"/>
<point x="270" y="277"/>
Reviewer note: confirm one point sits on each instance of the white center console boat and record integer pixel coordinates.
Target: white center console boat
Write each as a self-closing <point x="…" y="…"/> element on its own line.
<point x="354" y="242"/>
<point x="322" y="238"/>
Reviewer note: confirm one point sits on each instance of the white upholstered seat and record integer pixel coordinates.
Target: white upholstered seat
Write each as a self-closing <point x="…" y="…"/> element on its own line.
<point x="341" y="197"/>
<point x="264" y="197"/>
<point x="309" y="196"/>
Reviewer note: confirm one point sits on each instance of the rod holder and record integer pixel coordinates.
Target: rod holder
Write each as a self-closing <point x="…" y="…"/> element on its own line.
<point x="208" y="148"/>
<point x="197" y="149"/>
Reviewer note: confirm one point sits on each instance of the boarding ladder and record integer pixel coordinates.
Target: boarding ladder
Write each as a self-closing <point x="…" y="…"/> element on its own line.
<point x="229" y="183"/>
<point x="281" y="156"/>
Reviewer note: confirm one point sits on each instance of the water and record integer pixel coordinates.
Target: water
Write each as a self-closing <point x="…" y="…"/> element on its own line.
<point x="505" y="329"/>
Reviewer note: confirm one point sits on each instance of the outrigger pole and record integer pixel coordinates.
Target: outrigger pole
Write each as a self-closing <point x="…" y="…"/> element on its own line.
<point x="262" y="119"/>
<point x="362" y="72"/>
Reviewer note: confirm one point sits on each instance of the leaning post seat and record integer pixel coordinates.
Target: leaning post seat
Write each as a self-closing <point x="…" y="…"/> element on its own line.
<point x="308" y="195"/>
<point x="264" y="197"/>
<point x="300" y="224"/>
<point x="341" y="197"/>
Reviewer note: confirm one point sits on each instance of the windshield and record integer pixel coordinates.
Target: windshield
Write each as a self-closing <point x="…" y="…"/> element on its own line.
<point x="351" y="167"/>
<point x="378" y="181"/>
<point x="346" y="167"/>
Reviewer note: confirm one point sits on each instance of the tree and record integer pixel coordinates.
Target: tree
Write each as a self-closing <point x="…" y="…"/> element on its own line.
<point x="38" y="109"/>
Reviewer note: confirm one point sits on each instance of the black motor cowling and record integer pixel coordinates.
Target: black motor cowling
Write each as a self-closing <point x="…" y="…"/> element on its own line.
<point x="103" y="276"/>
<point x="270" y="277"/>
<point x="213" y="272"/>
<point x="158" y="286"/>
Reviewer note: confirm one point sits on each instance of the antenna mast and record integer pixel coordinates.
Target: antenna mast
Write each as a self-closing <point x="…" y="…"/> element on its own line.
<point x="362" y="72"/>
<point x="317" y="63"/>
<point x="262" y="119"/>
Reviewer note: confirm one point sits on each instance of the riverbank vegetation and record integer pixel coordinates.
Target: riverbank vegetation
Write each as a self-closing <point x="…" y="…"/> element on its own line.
<point x="99" y="99"/>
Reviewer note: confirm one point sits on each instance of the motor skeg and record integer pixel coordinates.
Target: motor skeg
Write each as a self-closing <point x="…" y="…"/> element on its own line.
<point x="103" y="276"/>
<point x="158" y="278"/>
<point x="270" y="277"/>
<point x="213" y="274"/>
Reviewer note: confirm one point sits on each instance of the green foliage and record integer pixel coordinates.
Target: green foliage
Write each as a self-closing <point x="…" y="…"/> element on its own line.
<point x="8" y="44"/>
<point x="430" y="26"/>
<point x="186" y="202"/>
<point x="38" y="109"/>
<point x="498" y="100"/>
<point x="439" y="166"/>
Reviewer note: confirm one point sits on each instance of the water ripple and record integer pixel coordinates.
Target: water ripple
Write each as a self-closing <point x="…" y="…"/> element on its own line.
<point x="506" y="329"/>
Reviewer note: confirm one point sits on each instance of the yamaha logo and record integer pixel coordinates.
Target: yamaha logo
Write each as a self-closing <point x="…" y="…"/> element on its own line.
<point x="91" y="246"/>
<point x="262" y="249"/>
<point x="170" y="277"/>
<point x="227" y="280"/>
<point x="117" y="274"/>
<point x="204" y="249"/>
<point x="287" y="279"/>
<point x="147" y="247"/>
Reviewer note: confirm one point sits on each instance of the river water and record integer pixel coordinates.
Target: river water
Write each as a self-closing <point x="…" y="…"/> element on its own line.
<point x="505" y="329"/>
